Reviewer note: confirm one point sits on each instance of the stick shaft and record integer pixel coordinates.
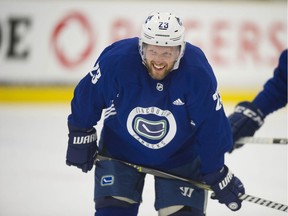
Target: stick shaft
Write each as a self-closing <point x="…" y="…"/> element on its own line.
<point x="264" y="202"/>
<point x="200" y="185"/>
<point x="261" y="140"/>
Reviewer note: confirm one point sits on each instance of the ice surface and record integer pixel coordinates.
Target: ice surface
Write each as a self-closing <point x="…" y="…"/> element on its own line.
<point x="34" y="180"/>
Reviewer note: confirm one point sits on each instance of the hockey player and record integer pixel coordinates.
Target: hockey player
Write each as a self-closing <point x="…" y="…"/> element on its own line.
<point x="248" y="117"/>
<point x="162" y="110"/>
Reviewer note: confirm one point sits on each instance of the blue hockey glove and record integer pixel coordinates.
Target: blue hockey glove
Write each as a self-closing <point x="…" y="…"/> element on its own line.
<point x="227" y="188"/>
<point x="245" y="121"/>
<point x="82" y="148"/>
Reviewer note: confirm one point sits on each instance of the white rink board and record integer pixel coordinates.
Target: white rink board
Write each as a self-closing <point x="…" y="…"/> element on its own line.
<point x="63" y="38"/>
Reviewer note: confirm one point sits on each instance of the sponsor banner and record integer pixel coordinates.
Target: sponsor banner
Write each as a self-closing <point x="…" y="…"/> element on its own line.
<point x="59" y="41"/>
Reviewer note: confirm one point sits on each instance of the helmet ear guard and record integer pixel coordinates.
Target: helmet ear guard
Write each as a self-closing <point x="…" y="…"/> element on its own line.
<point x="163" y="29"/>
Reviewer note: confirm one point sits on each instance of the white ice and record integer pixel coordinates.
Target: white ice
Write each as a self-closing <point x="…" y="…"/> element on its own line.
<point x="34" y="180"/>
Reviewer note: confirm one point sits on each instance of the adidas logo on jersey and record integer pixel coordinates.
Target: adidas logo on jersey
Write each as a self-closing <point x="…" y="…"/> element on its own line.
<point x="178" y="102"/>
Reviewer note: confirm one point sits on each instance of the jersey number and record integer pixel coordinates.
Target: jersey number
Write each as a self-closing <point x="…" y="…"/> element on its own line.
<point x="163" y="25"/>
<point x="217" y="98"/>
<point x="95" y="77"/>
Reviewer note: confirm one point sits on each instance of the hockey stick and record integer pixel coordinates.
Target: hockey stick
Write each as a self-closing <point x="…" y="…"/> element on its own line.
<point x="200" y="185"/>
<point x="262" y="140"/>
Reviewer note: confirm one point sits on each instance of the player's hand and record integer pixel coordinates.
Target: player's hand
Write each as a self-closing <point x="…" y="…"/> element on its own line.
<point x="82" y="148"/>
<point x="81" y="156"/>
<point x="226" y="188"/>
<point x="245" y="121"/>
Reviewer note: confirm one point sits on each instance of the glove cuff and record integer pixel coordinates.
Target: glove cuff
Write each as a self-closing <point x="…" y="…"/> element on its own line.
<point x="251" y="111"/>
<point x="217" y="177"/>
<point x="82" y="148"/>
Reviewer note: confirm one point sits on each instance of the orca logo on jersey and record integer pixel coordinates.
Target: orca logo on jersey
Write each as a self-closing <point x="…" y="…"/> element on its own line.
<point x="151" y="126"/>
<point x="151" y="129"/>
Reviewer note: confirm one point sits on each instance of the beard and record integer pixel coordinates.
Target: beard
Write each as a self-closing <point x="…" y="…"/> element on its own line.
<point x="158" y="73"/>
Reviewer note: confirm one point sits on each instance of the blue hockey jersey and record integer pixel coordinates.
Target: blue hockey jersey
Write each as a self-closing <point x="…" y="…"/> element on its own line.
<point x="160" y="124"/>
<point x="274" y="93"/>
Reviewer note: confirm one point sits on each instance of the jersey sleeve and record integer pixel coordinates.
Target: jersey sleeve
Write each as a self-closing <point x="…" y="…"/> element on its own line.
<point x="274" y="93"/>
<point x="93" y="94"/>
<point x="213" y="131"/>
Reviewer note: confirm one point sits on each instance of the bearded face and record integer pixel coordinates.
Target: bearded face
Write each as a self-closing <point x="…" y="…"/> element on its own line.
<point x="160" y="60"/>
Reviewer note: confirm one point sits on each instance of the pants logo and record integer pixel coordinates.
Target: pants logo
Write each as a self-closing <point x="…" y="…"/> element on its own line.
<point x="186" y="191"/>
<point x="107" y="180"/>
